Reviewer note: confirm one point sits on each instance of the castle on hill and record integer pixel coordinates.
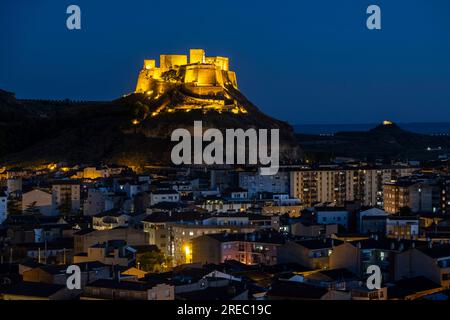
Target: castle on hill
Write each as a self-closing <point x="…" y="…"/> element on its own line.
<point x="204" y="80"/>
<point x="201" y="74"/>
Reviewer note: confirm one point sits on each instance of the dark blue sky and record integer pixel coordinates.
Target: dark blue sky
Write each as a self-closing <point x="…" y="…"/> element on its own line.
<point x="301" y="61"/>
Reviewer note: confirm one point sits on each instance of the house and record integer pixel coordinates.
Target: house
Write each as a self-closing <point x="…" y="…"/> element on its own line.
<point x="111" y="252"/>
<point x="133" y="272"/>
<point x="386" y="253"/>
<point x="37" y="291"/>
<point x="253" y="248"/>
<point x="164" y="196"/>
<point x="256" y="183"/>
<point x="402" y="227"/>
<point x="56" y="251"/>
<point x="66" y="196"/>
<point x="336" y="279"/>
<point x="282" y="204"/>
<point x="372" y="220"/>
<point x="306" y="229"/>
<point x="106" y="289"/>
<point x="236" y="194"/>
<point x="431" y="261"/>
<point x="86" y="238"/>
<point x="313" y="253"/>
<point x="38" y="199"/>
<point x="182" y="233"/>
<point x="332" y="215"/>
<point x="110" y="219"/>
<point x="221" y="205"/>
<point x="56" y="274"/>
<point x="97" y="202"/>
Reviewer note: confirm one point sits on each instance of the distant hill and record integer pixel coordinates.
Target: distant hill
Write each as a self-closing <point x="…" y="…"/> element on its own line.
<point x="382" y="142"/>
<point x="432" y="128"/>
<point x="126" y="131"/>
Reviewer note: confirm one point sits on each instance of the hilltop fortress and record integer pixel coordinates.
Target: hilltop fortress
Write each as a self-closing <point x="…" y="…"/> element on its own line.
<point x="204" y="81"/>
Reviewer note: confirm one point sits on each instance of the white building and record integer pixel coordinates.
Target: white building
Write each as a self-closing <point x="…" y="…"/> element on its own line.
<point x="110" y="220"/>
<point x="255" y="183"/>
<point x="332" y="216"/>
<point x="372" y="212"/>
<point x="164" y="196"/>
<point x="38" y="199"/>
<point x="402" y="227"/>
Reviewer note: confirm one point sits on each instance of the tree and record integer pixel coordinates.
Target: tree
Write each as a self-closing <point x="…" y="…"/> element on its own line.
<point x="65" y="207"/>
<point x="170" y="75"/>
<point x="405" y="211"/>
<point x="32" y="209"/>
<point x="14" y="207"/>
<point x="153" y="261"/>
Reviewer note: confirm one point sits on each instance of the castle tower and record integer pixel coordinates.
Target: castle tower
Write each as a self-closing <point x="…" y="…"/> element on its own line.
<point x="196" y="56"/>
<point x="149" y="64"/>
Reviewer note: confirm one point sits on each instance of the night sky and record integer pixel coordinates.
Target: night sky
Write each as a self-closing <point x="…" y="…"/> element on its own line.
<point x="301" y="61"/>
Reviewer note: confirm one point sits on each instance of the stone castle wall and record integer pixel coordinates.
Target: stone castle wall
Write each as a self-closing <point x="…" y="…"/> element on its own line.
<point x="200" y="72"/>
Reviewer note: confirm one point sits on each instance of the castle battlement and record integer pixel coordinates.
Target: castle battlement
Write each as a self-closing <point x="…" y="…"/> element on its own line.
<point x="201" y="74"/>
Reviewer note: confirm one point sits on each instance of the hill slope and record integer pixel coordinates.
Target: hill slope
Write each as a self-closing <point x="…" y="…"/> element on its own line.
<point x="388" y="142"/>
<point x="41" y="132"/>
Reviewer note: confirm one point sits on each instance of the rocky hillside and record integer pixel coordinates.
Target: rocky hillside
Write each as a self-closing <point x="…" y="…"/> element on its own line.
<point x="121" y="131"/>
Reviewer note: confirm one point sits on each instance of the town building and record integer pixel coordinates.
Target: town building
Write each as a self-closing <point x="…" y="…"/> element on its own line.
<point x="37" y="199"/>
<point x="336" y="184"/>
<point x="112" y="252"/>
<point x="66" y="197"/>
<point x="256" y="184"/>
<point x="402" y="227"/>
<point x="252" y="249"/>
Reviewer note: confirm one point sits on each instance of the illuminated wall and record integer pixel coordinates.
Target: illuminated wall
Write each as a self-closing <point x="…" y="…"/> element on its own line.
<point x="196" y="56"/>
<point x="201" y="75"/>
<point x="172" y="61"/>
<point x="149" y="64"/>
<point x="220" y="62"/>
<point x="202" y="71"/>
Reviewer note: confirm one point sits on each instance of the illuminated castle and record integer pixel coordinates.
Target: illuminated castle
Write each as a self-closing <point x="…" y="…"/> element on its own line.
<point x="204" y="81"/>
